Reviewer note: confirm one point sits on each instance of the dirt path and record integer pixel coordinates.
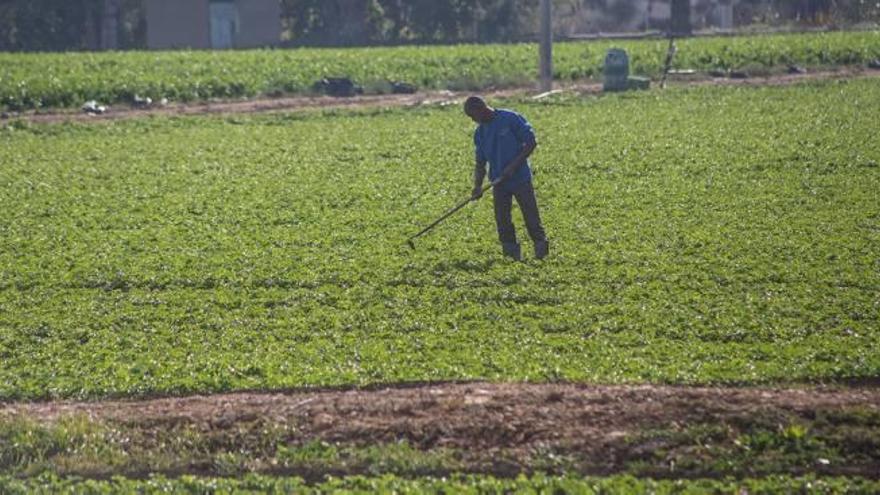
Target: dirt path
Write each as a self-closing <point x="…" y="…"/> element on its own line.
<point x="539" y="410"/>
<point x="464" y="413"/>
<point x="505" y="429"/>
<point x="288" y="104"/>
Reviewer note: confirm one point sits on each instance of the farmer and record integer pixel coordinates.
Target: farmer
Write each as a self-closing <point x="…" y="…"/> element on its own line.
<point x="505" y="139"/>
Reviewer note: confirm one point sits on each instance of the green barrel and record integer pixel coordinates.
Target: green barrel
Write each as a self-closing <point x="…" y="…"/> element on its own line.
<point x="616" y="70"/>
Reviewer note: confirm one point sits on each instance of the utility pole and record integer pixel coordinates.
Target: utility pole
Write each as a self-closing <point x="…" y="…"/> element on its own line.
<point x="546" y="49"/>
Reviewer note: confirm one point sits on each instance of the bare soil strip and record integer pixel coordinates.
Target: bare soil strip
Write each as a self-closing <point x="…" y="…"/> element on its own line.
<point x="296" y="103"/>
<point x="535" y="410"/>
<point x="506" y="429"/>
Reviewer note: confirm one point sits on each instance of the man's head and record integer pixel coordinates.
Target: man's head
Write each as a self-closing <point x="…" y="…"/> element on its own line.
<point x="477" y="109"/>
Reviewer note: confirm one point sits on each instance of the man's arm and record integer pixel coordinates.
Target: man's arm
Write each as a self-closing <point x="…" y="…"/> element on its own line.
<point x="479" y="175"/>
<point x="526" y="135"/>
<point x="520" y="159"/>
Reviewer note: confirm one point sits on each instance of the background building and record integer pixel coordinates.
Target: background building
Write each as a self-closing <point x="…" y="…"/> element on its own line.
<point x="214" y="24"/>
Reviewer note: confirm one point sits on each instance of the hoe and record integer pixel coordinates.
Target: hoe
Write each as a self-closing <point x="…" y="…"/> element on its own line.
<point x="448" y="214"/>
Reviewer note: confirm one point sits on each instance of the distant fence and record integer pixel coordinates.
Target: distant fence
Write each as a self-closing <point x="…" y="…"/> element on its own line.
<point x="657" y="34"/>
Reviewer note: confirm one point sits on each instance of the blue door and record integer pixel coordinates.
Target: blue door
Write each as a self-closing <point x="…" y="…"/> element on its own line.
<point x="224" y="24"/>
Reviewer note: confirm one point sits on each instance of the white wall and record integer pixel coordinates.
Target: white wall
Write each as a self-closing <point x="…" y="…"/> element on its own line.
<point x="177" y="24"/>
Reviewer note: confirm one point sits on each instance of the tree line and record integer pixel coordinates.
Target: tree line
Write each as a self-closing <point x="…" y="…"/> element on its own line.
<point x="55" y="25"/>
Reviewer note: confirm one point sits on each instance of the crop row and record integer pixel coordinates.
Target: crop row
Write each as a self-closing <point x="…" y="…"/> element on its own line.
<point x="69" y="79"/>
<point x="699" y="236"/>
<point x="471" y="484"/>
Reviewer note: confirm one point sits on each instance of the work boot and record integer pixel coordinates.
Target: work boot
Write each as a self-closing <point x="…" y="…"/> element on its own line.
<point x="512" y="250"/>
<point x="542" y="249"/>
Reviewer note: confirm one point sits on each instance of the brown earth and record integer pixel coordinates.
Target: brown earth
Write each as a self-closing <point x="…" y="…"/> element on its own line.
<point x="297" y="103"/>
<point x="462" y="414"/>
<point x="499" y="428"/>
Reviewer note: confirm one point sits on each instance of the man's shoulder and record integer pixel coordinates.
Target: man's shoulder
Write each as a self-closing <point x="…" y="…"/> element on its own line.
<point x="513" y="118"/>
<point x="507" y="113"/>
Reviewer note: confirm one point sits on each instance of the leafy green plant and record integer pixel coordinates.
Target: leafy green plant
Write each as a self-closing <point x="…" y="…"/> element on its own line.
<point x="538" y="483"/>
<point x="30" y="81"/>
<point x="707" y="235"/>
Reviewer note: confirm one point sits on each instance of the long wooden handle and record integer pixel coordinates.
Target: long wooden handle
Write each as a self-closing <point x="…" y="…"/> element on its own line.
<point x="452" y="211"/>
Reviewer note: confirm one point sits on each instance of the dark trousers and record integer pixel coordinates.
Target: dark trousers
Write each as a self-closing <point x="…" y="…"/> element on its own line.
<point x="525" y="198"/>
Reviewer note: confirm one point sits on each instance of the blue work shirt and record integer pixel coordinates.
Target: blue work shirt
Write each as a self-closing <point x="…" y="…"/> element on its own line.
<point x="499" y="141"/>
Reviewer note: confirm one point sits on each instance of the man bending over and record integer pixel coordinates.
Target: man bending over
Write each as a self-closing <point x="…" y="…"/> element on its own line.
<point x="505" y="139"/>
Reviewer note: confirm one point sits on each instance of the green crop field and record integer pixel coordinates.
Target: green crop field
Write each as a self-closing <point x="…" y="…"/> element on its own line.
<point x="69" y="79"/>
<point x="702" y="235"/>
<point x="463" y="484"/>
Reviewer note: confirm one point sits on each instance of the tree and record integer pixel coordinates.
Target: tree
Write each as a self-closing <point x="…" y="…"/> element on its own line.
<point x="333" y="22"/>
<point x="508" y="20"/>
<point x="814" y="11"/>
<point x="345" y="21"/>
<point x="132" y="25"/>
<point x="349" y="22"/>
<point x="680" y="22"/>
<point x="110" y="25"/>
<point x="440" y="20"/>
<point x="51" y="25"/>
